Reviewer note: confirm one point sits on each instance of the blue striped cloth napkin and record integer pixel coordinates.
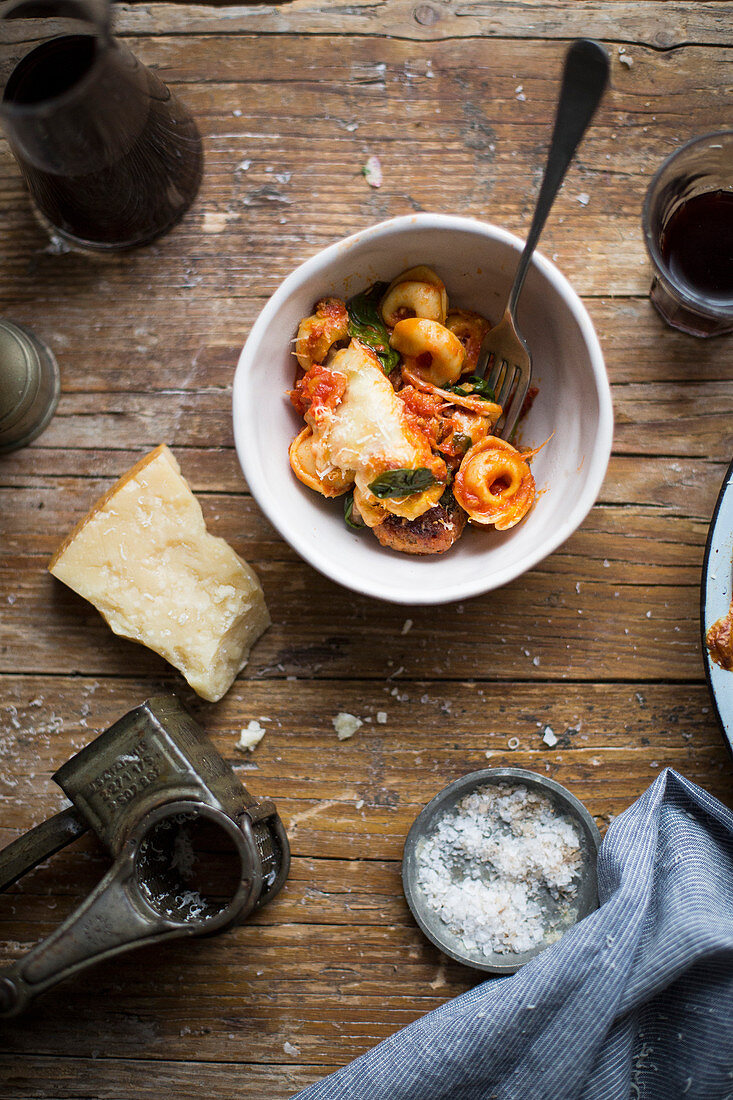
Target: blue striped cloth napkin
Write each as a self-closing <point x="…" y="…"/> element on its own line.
<point x="633" y="1003"/>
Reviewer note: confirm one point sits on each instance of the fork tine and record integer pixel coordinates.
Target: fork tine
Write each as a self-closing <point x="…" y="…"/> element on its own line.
<point x="504" y="393"/>
<point x="497" y="375"/>
<point x="511" y="415"/>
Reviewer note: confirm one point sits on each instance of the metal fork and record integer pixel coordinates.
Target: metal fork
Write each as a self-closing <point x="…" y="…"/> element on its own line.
<point x="584" y="80"/>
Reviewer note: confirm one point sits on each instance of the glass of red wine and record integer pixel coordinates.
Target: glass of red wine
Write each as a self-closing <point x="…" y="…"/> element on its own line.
<point x="111" y="158"/>
<point x="688" y="229"/>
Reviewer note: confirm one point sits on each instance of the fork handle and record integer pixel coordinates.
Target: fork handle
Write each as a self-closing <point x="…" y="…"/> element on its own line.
<point x="584" y="80"/>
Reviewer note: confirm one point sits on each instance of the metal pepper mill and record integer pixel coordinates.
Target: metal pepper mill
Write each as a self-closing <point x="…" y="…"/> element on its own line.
<point x="29" y="386"/>
<point x="193" y="851"/>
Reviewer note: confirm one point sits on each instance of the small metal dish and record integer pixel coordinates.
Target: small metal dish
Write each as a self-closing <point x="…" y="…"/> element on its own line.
<point x="429" y="921"/>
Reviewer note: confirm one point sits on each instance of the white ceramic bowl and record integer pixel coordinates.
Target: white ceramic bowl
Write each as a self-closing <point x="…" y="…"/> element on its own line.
<point x="477" y="263"/>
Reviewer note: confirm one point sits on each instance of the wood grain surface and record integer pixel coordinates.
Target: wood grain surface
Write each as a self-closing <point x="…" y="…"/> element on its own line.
<point x="601" y="641"/>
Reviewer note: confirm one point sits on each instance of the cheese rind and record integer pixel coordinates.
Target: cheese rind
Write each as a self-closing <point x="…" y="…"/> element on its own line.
<point x="144" y="558"/>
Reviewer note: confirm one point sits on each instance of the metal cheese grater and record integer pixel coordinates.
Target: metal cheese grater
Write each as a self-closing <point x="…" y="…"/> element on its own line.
<point x="194" y="851"/>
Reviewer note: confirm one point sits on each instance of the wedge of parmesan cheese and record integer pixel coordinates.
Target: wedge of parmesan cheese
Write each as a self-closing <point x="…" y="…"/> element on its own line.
<point x="144" y="558"/>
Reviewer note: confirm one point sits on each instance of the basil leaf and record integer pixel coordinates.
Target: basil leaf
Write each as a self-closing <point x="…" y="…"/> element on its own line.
<point x="365" y="324"/>
<point x="474" y="387"/>
<point x="402" y="483"/>
<point x="349" y="513"/>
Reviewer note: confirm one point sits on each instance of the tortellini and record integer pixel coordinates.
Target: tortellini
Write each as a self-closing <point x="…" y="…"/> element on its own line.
<point x="330" y="482"/>
<point x="318" y="334"/>
<point x="494" y="484"/>
<point x="397" y="418"/>
<point x="429" y="349"/>
<point x="418" y="292"/>
<point x="470" y="328"/>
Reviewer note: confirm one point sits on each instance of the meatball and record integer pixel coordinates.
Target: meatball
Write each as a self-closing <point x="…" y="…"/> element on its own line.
<point x="434" y="532"/>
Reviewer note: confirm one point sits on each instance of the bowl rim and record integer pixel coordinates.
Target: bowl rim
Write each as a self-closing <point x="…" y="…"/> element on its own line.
<point x="480" y="583"/>
<point x="449" y="795"/>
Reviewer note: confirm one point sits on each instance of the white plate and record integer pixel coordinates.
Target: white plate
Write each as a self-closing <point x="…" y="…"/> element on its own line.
<point x="716" y="593"/>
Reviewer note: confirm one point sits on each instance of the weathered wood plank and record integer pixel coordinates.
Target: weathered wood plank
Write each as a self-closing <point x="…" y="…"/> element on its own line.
<point x="546" y="625"/>
<point x="178" y="344"/>
<point x="682" y="419"/>
<point x="70" y="1078"/>
<point x="452" y="135"/>
<point x="661" y="25"/>
<point x="432" y="733"/>
<point x="667" y="504"/>
<point x="321" y="988"/>
<point x="66" y="482"/>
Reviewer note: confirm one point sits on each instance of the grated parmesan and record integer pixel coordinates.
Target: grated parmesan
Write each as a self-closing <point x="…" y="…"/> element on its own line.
<point x="346" y="725"/>
<point x="501" y="869"/>
<point x="251" y="736"/>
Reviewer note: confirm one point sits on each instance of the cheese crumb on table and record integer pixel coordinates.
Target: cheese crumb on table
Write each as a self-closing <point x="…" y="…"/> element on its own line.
<point x="346" y="725"/>
<point x="501" y="869"/>
<point x="144" y="558"/>
<point x="251" y="736"/>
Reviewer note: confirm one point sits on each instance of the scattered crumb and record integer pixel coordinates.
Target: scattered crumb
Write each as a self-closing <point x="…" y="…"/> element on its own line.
<point x="251" y="736"/>
<point x="382" y="717"/>
<point x="57" y="246"/>
<point x="346" y="725"/>
<point x="243" y="166"/>
<point x="372" y="172"/>
<point x="583" y="198"/>
<point x="625" y="58"/>
<point x="549" y="737"/>
<point x="215" y="221"/>
<point x="359" y="804"/>
<point x="290" y="1048"/>
<point x="406" y="626"/>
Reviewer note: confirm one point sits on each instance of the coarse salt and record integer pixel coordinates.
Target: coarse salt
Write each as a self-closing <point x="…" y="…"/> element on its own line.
<point x="501" y="870"/>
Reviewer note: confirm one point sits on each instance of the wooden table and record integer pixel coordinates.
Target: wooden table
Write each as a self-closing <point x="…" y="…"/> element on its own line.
<point x="600" y="641"/>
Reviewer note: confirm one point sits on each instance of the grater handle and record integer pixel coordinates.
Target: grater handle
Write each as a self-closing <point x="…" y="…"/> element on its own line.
<point x="25" y="853"/>
<point x="126" y="909"/>
<point x="110" y="920"/>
